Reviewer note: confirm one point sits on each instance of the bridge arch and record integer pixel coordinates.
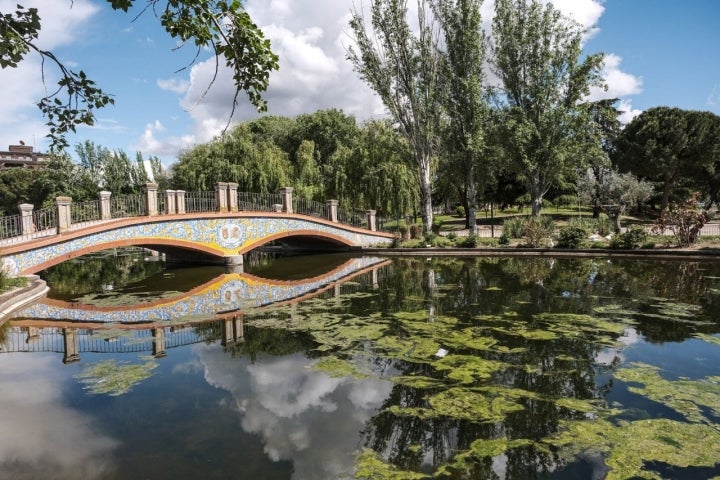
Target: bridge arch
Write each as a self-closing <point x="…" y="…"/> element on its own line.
<point x="225" y="235"/>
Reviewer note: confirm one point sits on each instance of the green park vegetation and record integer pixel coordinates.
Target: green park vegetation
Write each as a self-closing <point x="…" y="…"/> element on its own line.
<point x="455" y="152"/>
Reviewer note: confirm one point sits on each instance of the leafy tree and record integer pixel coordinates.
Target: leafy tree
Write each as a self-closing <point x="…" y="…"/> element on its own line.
<point x="404" y="70"/>
<point x="464" y="103"/>
<point x="380" y="172"/>
<point x="221" y="26"/>
<point x="331" y="131"/>
<point x="15" y="185"/>
<point x="234" y="157"/>
<point x="546" y="127"/>
<point x="612" y="191"/>
<point x="668" y="145"/>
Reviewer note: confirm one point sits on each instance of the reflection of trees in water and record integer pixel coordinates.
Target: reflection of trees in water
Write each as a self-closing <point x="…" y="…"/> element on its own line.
<point x="543" y="372"/>
<point x="89" y="273"/>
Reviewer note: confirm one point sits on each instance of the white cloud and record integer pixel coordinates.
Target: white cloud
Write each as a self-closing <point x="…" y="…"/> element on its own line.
<point x="150" y="144"/>
<point x="713" y="99"/>
<point x="176" y="85"/>
<point x="48" y="438"/>
<point x="301" y="414"/>
<point x="22" y="87"/>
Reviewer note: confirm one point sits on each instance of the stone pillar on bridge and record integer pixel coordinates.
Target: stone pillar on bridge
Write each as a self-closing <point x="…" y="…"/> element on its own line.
<point x="232" y="331"/>
<point x="26" y="211"/>
<point x="232" y="197"/>
<point x="104" y="198"/>
<point x="64" y="219"/>
<point x="332" y="210"/>
<point x="151" y="200"/>
<point x="370" y="215"/>
<point x="170" y="202"/>
<point x="221" y="196"/>
<point x="158" y="347"/>
<point x="70" y="344"/>
<point x="180" y="201"/>
<point x="287" y="205"/>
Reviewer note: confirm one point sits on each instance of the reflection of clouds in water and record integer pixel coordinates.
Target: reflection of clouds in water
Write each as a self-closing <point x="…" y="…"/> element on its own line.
<point x="608" y="355"/>
<point x="42" y="438"/>
<point x="303" y="415"/>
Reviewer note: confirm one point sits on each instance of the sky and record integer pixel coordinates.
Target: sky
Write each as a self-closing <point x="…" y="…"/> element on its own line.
<point x="658" y="53"/>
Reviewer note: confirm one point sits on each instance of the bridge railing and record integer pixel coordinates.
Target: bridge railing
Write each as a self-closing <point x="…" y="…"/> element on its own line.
<point x="10" y="226"/>
<point x="198" y="202"/>
<point x="84" y="213"/>
<point x="128" y="206"/>
<point x="258" y="202"/>
<point x="311" y="208"/>
<point x="68" y="215"/>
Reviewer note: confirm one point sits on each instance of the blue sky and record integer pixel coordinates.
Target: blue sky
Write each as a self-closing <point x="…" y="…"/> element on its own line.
<point x="659" y="52"/>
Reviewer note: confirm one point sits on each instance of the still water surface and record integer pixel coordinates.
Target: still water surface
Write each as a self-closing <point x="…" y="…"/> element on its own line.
<point x="335" y="367"/>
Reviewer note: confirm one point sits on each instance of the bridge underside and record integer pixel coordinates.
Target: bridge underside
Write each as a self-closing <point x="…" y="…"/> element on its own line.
<point x="223" y="239"/>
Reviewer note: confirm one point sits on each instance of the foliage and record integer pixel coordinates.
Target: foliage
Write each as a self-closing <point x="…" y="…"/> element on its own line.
<point x="460" y="211"/>
<point x="611" y="191"/>
<point x="635" y="237"/>
<point x="571" y="237"/>
<point x="471" y="241"/>
<point x="684" y="221"/>
<point x="600" y="226"/>
<point x="668" y="145"/>
<point x="7" y="282"/>
<point x="403" y="68"/>
<point x="534" y="230"/>
<point x="463" y="98"/>
<point x="221" y="26"/>
<point x="109" y="378"/>
<point x="546" y="129"/>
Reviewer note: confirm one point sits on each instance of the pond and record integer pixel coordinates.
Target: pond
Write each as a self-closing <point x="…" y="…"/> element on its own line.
<point x="336" y="366"/>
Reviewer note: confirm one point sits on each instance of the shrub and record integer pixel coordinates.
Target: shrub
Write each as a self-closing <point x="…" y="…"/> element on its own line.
<point x="634" y="238"/>
<point x="471" y="241"/>
<point x="571" y="237"/>
<point x="601" y="225"/>
<point x="460" y="211"/>
<point x="684" y="221"/>
<point x="403" y="230"/>
<point x="436" y="225"/>
<point x="452" y="235"/>
<point x="537" y="231"/>
<point x="416" y="231"/>
<point x="514" y="227"/>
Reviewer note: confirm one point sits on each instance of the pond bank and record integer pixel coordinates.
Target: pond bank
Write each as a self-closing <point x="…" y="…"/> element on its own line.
<point x="684" y="254"/>
<point x="19" y="297"/>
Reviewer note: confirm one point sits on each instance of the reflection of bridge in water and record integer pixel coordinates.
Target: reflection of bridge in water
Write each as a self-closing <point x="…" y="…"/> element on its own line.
<point x="218" y="306"/>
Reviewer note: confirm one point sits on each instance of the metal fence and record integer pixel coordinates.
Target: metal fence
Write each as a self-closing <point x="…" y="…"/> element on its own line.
<point x="198" y="202"/>
<point x="312" y="208"/>
<point x="259" y="202"/>
<point x="44" y="221"/>
<point x="84" y="213"/>
<point x="128" y="206"/>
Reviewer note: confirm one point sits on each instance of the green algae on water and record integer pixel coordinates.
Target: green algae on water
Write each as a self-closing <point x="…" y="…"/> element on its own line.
<point x="109" y="378"/>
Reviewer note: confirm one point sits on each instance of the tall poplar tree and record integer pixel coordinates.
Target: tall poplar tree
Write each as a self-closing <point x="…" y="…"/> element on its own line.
<point x="403" y="68"/>
<point x="464" y="104"/>
<point x="547" y="125"/>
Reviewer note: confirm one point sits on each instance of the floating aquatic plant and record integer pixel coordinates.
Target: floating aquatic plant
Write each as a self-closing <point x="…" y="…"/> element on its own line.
<point x="109" y="378"/>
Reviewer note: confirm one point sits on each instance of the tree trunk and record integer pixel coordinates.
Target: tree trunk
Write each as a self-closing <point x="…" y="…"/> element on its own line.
<point x="536" y="196"/>
<point x="426" y="212"/>
<point x="470" y="211"/>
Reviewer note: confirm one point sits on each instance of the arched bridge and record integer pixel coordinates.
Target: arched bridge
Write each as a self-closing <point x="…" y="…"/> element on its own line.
<point x="224" y="227"/>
